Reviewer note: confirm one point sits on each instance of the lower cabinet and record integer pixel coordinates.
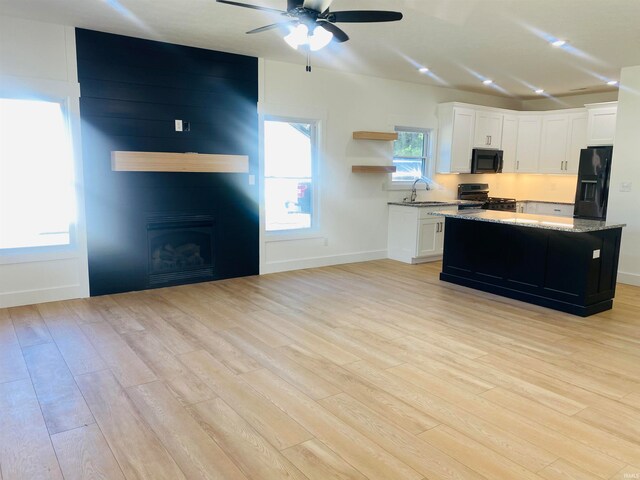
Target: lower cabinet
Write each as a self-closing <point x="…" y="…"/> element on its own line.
<point x="414" y="235"/>
<point x="545" y="208"/>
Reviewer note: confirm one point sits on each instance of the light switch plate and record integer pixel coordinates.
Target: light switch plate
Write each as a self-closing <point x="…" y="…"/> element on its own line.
<point x="178" y="125"/>
<point x="596" y="254"/>
<point x="252" y="179"/>
<point x="625" y="186"/>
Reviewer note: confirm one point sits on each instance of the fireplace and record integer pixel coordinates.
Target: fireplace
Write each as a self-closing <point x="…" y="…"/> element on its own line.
<point x="180" y="249"/>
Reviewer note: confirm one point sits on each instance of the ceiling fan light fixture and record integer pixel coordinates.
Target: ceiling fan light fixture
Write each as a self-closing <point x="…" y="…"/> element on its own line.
<point x="321" y="38"/>
<point x="298" y="36"/>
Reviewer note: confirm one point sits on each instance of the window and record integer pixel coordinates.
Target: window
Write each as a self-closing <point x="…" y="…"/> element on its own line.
<point x="410" y="154"/>
<point x="37" y="201"/>
<point x="289" y="185"/>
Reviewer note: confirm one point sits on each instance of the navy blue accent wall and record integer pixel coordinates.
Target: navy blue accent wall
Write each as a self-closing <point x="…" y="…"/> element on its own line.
<point x="132" y="90"/>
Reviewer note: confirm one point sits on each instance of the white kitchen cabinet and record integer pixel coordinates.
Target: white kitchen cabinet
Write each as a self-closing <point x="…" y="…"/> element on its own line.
<point x="455" y="138"/>
<point x="553" y="144"/>
<point x="528" y="143"/>
<point x="488" y="129"/>
<point x="577" y="140"/>
<point x="414" y="236"/>
<point x="601" y="123"/>
<point x="509" y="143"/>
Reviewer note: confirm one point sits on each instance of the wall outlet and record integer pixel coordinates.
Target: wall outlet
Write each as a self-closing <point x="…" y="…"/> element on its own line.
<point x="252" y="179"/>
<point x="625" y="186"/>
<point x="178" y="125"/>
<point x="596" y="254"/>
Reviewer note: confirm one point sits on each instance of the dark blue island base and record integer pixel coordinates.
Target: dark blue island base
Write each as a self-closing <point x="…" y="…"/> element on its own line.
<point x="570" y="271"/>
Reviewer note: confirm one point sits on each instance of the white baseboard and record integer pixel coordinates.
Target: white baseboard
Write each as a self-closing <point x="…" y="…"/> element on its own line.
<point x="315" y="262"/>
<point x="629" y="278"/>
<point x="30" y="297"/>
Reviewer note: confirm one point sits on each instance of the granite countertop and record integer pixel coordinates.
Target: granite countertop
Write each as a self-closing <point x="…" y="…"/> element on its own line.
<point x="437" y="203"/>
<point x="545" y="201"/>
<point x="562" y="224"/>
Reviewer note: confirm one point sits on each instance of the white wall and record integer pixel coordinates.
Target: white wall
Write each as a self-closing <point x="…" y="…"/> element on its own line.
<point x="352" y="207"/>
<point x="624" y="206"/>
<point x="39" y="59"/>
<point x="569" y="101"/>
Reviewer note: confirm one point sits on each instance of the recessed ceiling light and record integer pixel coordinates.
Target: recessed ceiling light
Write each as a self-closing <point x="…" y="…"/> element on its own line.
<point x="423" y="70"/>
<point x="612" y="82"/>
<point x="487" y="81"/>
<point x="539" y="91"/>
<point x="559" y="43"/>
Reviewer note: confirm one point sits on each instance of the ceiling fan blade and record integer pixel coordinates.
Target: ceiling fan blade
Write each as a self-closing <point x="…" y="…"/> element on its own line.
<point x="269" y="27"/>
<point x="317" y="5"/>
<point x="293" y="4"/>
<point x="338" y="34"/>
<point x="364" y="16"/>
<point x="254" y="7"/>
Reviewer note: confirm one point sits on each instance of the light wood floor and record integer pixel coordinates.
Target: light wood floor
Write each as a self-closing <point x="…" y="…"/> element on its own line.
<point x="375" y="370"/>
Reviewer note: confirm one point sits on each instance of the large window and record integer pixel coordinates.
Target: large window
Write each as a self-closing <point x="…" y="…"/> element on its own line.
<point x="289" y="153"/>
<point x="410" y="154"/>
<point x="36" y="175"/>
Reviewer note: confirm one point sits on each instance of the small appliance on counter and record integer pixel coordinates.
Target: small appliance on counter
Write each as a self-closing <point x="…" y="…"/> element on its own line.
<point x="479" y="192"/>
<point x="592" y="192"/>
<point x="486" y="161"/>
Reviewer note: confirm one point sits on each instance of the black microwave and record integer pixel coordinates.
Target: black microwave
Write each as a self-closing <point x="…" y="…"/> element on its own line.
<point x="486" y="161"/>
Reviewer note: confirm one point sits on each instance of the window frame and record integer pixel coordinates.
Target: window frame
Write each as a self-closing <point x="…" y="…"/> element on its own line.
<point x="312" y="230"/>
<point x="426" y="158"/>
<point x="50" y="252"/>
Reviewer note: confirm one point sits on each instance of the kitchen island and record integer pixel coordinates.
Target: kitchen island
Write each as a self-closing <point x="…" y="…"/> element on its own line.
<point x="562" y="263"/>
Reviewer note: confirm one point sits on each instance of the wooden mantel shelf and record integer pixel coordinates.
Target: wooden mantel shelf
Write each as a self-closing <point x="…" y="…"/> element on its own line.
<point x="383" y="136"/>
<point x="373" y="168"/>
<point x="178" y="162"/>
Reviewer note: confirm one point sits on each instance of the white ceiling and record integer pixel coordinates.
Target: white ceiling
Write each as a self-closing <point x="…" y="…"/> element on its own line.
<point x="461" y="41"/>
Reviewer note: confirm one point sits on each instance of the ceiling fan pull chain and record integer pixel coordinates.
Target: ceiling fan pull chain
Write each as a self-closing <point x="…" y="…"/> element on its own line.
<point x="308" y="62"/>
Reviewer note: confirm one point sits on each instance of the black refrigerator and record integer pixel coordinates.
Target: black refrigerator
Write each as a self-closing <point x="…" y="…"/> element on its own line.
<point x="592" y="191"/>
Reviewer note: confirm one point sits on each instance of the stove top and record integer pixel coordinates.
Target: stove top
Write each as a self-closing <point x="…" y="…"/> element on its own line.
<point x="497" y="203"/>
<point x="480" y="192"/>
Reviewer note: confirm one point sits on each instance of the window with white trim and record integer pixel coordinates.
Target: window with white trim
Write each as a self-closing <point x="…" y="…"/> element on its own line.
<point x="289" y="175"/>
<point x="37" y="192"/>
<point x="411" y="154"/>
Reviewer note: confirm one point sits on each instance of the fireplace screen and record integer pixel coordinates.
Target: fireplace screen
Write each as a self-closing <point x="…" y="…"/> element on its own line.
<point x="180" y="248"/>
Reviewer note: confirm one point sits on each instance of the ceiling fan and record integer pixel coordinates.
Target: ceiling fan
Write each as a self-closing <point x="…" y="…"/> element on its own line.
<point x="311" y="23"/>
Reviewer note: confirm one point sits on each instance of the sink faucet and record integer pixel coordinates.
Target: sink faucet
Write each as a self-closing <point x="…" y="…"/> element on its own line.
<point x="414" y="193"/>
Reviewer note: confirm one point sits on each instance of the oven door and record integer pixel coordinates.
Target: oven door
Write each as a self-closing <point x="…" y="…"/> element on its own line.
<point x="486" y="161"/>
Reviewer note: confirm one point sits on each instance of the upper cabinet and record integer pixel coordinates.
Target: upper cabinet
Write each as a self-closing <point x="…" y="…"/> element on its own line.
<point x="553" y="144"/>
<point x="577" y="140"/>
<point x="509" y="143"/>
<point x="601" y="123"/>
<point x="532" y="142"/>
<point x="488" y="129"/>
<point x="528" y="143"/>
<point x="455" y="138"/>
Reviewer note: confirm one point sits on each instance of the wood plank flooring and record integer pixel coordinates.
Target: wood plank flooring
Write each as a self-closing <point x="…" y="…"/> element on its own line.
<point x="374" y="370"/>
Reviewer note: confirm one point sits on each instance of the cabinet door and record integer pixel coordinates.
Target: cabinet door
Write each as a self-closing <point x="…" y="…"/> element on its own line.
<point x="577" y="141"/>
<point x="528" y="145"/>
<point x="509" y="142"/>
<point x="601" y="126"/>
<point x="553" y="147"/>
<point x="462" y="140"/>
<point x="428" y="230"/>
<point x="488" y="130"/>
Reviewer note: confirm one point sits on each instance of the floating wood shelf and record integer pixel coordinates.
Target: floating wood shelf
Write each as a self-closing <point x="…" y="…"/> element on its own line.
<point x="373" y="169"/>
<point x="178" y="162"/>
<point x="383" y="136"/>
